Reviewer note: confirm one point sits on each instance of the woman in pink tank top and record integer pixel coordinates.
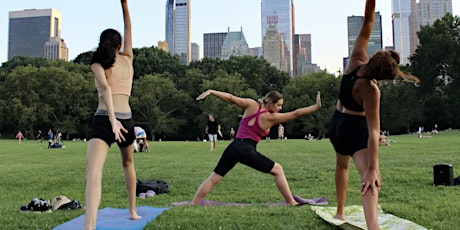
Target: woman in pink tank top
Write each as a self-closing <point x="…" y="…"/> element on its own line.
<point x="258" y="118"/>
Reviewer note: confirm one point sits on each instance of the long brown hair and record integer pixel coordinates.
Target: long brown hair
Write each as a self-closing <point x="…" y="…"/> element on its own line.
<point x="384" y="65"/>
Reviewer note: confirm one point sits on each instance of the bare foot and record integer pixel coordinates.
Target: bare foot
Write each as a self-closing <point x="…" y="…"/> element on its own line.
<point x="339" y="217"/>
<point x="135" y="217"/>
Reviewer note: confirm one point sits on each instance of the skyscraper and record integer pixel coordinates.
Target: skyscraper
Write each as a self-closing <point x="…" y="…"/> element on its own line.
<point x="56" y="49"/>
<point x="302" y="52"/>
<point x="178" y="21"/>
<point x="234" y="45"/>
<point x="212" y="44"/>
<point x="432" y="10"/>
<point x="33" y="32"/>
<point x="278" y="33"/>
<point x="425" y="13"/>
<point x="195" y="52"/>
<point x="375" y="41"/>
<point x="401" y="10"/>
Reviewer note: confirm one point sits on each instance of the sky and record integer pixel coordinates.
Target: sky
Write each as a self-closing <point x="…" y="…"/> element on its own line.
<point x="82" y="22"/>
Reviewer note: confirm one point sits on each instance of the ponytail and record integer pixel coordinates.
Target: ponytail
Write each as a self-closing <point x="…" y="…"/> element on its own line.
<point x="108" y="44"/>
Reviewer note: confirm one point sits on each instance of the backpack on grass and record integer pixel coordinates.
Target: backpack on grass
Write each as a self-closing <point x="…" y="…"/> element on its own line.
<point x="158" y="186"/>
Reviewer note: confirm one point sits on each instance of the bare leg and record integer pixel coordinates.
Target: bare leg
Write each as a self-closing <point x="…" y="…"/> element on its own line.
<point x="213" y="145"/>
<point x="282" y="184"/>
<point x="130" y="179"/>
<point x="206" y="187"/>
<point x="370" y="201"/>
<point x="341" y="184"/>
<point x="96" y="155"/>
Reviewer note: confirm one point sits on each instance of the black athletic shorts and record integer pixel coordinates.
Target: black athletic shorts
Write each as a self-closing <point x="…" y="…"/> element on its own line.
<point x="348" y="133"/>
<point x="243" y="151"/>
<point x="102" y="129"/>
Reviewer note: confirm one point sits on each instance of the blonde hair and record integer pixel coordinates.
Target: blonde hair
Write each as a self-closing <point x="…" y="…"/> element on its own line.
<point x="384" y="65"/>
<point x="272" y="96"/>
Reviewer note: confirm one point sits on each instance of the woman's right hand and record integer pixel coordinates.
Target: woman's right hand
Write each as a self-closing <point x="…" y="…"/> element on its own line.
<point x="118" y="129"/>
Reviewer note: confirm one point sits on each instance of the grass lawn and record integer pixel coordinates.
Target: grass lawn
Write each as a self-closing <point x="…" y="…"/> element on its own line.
<point x="29" y="170"/>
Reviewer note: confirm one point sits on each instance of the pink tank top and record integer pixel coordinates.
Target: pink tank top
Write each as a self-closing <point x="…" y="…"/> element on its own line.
<point x="252" y="132"/>
<point x="117" y="84"/>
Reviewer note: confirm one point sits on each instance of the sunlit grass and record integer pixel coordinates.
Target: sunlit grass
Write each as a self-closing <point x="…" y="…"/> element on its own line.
<point x="29" y="170"/>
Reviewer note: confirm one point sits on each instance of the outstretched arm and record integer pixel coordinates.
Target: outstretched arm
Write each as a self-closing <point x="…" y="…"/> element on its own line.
<point x="128" y="42"/>
<point x="277" y="118"/>
<point x="241" y="102"/>
<point x="359" y="53"/>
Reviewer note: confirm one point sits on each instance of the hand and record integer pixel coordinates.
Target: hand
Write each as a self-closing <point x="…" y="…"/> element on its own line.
<point x="372" y="180"/>
<point x="318" y="99"/>
<point x="117" y="129"/>
<point x="203" y="95"/>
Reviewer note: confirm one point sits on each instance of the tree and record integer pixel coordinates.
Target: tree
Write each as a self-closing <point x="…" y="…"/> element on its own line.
<point x="300" y="92"/>
<point x="437" y="65"/>
<point x="228" y="115"/>
<point x="399" y="107"/>
<point x="156" y="102"/>
<point x="152" y="60"/>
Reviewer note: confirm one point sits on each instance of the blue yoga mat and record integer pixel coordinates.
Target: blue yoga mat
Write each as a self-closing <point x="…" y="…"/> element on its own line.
<point x="116" y="218"/>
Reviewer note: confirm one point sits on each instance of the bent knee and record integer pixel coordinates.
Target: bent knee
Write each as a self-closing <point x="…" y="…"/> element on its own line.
<point x="277" y="169"/>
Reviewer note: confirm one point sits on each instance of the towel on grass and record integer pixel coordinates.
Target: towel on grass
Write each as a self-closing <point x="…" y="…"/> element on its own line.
<point x="116" y="218"/>
<point x="300" y="200"/>
<point x="355" y="219"/>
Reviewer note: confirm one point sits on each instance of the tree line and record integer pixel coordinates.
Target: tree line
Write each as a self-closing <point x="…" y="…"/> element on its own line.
<point x="39" y="94"/>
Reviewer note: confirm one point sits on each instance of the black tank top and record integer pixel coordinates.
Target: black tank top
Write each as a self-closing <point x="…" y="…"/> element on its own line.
<point x="346" y="89"/>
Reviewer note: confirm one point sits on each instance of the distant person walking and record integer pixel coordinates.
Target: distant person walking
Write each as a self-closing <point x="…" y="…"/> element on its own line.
<point x="50" y="138"/>
<point x="19" y="136"/>
<point x="212" y="129"/>
<point x="258" y="117"/>
<point x="39" y="137"/>
<point x="280" y="132"/>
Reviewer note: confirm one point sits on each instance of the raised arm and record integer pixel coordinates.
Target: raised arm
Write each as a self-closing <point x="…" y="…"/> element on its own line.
<point x="359" y="53"/>
<point x="241" y="102"/>
<point x="277" y="118"/>
<point x="128" y="39"/>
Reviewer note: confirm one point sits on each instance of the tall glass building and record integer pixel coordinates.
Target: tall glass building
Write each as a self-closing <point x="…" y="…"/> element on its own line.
<point x="212" y="44"/>
<point x="31" y="31"/>
<point x="375" y="42"/>
<point x="178" y="21"/>
<point x="401" y="11"/>
<point x="278" y="33"/>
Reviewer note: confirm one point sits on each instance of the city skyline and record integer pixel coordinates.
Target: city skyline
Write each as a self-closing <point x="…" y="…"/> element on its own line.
<point x="82" y="25"/>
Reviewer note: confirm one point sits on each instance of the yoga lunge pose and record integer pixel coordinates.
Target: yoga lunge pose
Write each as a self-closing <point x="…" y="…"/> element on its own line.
<point x="355" y="125"/>
<point x="112" y="122"/>
<point x="258" y="117"/>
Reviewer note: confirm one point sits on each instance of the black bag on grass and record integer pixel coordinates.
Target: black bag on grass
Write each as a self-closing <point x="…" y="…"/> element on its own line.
<point x="158" y="186"/>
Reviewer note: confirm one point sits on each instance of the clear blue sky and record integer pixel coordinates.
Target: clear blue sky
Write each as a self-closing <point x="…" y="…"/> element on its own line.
<point x="83" y="21"/>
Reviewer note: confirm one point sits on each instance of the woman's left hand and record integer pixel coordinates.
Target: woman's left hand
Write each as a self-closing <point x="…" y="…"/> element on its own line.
<point x="372" y="180"/>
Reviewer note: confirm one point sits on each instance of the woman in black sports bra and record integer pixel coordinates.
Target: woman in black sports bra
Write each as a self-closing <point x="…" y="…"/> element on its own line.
<point x="355" y="126"/>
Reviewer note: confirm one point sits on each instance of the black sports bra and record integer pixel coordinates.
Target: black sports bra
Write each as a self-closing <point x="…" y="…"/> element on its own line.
<point x="346" y="89"/>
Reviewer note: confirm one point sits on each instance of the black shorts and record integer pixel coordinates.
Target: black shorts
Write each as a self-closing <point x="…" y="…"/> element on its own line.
<point x="102" y="129"/>
<point x="243" y="151"/>
<point x="348" y="133"/>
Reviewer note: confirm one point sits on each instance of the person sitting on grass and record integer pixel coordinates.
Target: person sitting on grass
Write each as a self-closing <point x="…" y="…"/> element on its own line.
<point x="258" y="117"/>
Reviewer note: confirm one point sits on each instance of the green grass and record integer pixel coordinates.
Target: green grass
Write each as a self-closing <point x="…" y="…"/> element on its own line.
<point x="28" y="170"/>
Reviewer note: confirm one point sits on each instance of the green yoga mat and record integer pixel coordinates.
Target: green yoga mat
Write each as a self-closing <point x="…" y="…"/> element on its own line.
<point x="355" y="219"/>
